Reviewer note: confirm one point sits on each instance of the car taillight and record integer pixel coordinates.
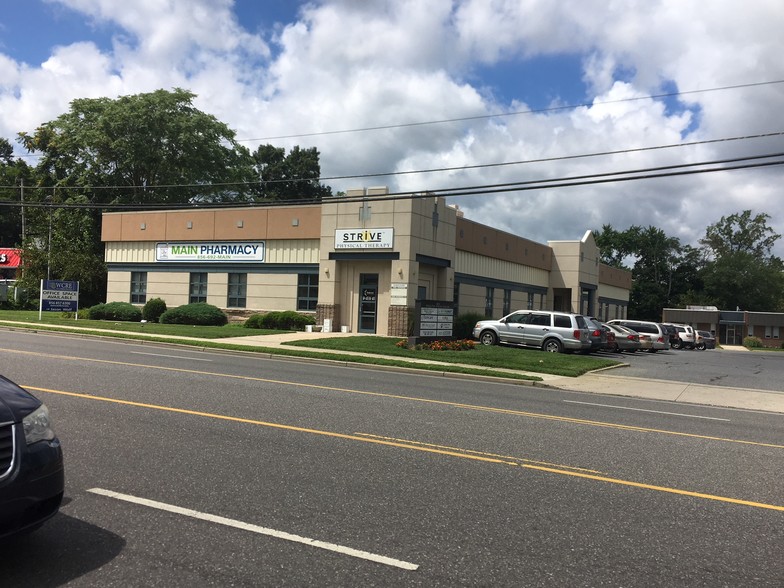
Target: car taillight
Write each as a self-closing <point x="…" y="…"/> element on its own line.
<point x="577" y="335"/>
<point x="631" y="337"/>
<point x="596" y="333"/>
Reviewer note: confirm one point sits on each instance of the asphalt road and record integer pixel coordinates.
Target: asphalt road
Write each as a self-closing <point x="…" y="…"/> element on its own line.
<point x="189" y="468"/>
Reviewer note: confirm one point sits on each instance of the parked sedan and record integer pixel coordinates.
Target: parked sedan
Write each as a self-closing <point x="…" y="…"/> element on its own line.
<point x="705" y="340"/>
<point x="625" y="339"/>
<point x="31" y="462"/>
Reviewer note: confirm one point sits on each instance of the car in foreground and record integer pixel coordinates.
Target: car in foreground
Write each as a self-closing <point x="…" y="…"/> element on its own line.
<point x="32" y="478"/>
<point x="551" y="331"/>
<point x="705" y="340"/>
<point x="625" y="339"/>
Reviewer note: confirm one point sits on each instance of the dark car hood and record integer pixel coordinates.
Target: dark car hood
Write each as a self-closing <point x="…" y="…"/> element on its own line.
<point x="15" y="403"/>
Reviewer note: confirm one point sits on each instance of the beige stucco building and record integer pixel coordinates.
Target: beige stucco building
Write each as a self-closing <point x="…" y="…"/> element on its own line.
<point x="359" y="262"/>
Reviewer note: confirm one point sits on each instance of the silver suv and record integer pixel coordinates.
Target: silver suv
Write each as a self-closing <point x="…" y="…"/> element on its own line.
<point x="555" y="332"/>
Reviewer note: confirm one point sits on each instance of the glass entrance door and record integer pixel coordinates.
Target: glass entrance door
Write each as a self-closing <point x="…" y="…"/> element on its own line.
<point x="368" y="302"/>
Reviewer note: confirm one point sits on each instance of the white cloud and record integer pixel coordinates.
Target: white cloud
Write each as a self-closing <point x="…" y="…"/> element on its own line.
<point x="351" y="64"/>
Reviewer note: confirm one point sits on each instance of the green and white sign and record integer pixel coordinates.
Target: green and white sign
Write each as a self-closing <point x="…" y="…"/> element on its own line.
<point x="242" y="251"/>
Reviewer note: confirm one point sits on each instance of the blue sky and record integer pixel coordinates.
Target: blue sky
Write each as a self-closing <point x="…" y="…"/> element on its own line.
<point x="271" y="68"/>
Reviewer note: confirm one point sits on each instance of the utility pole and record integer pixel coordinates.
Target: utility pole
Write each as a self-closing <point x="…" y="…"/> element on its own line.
<point x="21" y="197"/>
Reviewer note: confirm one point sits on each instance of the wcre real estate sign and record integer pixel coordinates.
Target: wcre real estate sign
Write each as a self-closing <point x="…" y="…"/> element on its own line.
<point x="59" y="295"/>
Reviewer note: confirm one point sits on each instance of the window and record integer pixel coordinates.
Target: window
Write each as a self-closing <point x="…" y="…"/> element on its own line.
<point x="507" y="302"/>
<point x="307" y="291"/>
<point x="238" y="288"/>
<point x="530" y="301"/>
<point x="489" y="294"/>
<point x="138" y="287"/>
<point x="198" y="287"/>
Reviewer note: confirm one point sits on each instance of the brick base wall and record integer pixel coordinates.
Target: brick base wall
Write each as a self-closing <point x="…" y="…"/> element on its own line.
<point x="328" y="311"/>
<point x="397" y="325"/>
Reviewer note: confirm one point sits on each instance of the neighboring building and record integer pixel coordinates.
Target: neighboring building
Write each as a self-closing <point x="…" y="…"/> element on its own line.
<point x="10" y="263"/>
<point x="731" y="326"/>
<point x="360" y="261"/>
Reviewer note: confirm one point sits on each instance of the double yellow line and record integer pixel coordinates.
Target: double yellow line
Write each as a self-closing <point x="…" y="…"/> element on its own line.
<point x="429" y="448"/>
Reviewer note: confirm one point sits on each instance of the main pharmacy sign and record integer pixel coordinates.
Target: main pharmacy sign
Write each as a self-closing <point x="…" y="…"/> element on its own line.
<point x="364" y="238"/>
<point x="243" y="251"/>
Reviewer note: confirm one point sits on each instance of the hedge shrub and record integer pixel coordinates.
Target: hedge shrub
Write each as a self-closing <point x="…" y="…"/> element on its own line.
<point x="115" y="311"/>
<point x="752" y="342"/>
<point x="153" y="310"/>
<point x="198" y="313"/>
<point x="286" y="320"/>
<point x="463" y="327"/>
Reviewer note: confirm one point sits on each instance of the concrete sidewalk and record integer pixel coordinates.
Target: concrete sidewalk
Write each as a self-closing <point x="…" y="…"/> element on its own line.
<point x="611" y="381"/>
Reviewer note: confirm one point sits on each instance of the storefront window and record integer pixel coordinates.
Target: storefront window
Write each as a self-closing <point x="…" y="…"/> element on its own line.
<point x="198" y="287"/>
<point x="489" y="294"/>
<point x="307" y="291"/>
<point x="238" y="287"/>
<point x="138" y="287"/>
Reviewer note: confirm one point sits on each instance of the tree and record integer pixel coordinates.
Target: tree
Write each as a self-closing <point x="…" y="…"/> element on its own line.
<point x="742" y="272"/>
<point x="142" y="149"/>
<point x="12" y="174"/>
<point x="289" y="177"/>
<point x="138" y="150"/>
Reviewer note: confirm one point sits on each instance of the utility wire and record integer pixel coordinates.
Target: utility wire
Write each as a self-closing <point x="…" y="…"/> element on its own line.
<point x="425" y="171"/>
<point x="569" y="181"/>
<point x="515" y="113"/>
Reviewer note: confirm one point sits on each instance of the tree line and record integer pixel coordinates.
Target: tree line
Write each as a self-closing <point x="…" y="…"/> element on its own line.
<point x="134" y="152"/>
<point x="733" y="267"/>
<point x="158" y="150"/>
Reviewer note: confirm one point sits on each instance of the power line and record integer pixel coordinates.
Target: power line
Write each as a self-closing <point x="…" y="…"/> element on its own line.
<point x="515" y="113"/>
<point x="568" y="181"/>
<point x="422" y="171"/>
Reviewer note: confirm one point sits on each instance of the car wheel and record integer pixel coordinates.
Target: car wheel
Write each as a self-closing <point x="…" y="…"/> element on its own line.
<point x="552" y="346"/>
<point x="700" y="347"/>
<point x="488" y="338"/>
<point x="677" y="345"/>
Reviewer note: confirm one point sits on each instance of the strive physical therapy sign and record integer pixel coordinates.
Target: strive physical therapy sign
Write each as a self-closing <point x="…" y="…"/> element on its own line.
<point x="243" y="251"/>
<point x="364" y="238"/>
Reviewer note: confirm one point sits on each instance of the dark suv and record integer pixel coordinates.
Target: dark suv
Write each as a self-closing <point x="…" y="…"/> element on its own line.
<point x="31" y="462"/>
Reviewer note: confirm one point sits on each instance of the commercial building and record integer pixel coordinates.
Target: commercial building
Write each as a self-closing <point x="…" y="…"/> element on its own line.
<point x="731" y="326"/>
<point x="359" y="261"/>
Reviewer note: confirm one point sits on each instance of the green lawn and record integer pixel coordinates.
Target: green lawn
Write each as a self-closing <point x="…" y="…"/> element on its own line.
<point x="57" y="319"/>
<point x="483" y="361"/>
<point x="497" y="356"/>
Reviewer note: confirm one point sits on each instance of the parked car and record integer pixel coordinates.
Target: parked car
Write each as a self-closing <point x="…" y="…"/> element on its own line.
<point x="672" y="334"/>
<point x="31" y="462"/>
<point x="598" y="333"/>
<point x="686" y="338"/>
<point x="705" y="340"/>
<point x="659" y="339"/>
<point x="625" y="339"/>
<point x="555" y="332"/>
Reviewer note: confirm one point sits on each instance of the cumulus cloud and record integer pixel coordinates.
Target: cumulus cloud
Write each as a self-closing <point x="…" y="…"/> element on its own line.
<point x="348" y="64"/>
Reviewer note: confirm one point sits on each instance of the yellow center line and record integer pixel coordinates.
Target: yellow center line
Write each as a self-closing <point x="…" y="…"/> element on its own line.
<point x="452" y="452"/>
<point x="460" y="405"/>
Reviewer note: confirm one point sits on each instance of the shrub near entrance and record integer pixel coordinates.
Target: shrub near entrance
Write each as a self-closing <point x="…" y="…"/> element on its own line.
<point x="198" y="313"/>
